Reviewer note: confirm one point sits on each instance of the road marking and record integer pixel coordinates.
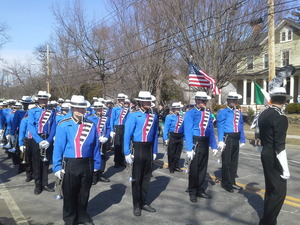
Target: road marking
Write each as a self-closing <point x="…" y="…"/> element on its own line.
<point x="12" y="205"/>
<point x="250" y="189"/>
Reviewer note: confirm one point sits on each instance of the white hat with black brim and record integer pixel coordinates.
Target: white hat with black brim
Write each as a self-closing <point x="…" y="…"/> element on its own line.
<point x="26" y="100"/>
<point x="121" y="96"/>
<point x="18" y="105"/>
<point x="78" y="101"/>
<point x="202" y="95"/>
<point x="43" y="95"/>
<point x="65" y="106"/>
<point x="280" y="91"/>
<point x="145" y="96"/>
<point x="177" y="105"/>
<point x="234" y="95"/>
<point x="98" y="105"/>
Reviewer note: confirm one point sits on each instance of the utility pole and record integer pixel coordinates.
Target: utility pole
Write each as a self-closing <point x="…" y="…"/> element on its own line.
<point x="271" y="40"/>
<point x="48" y="69"/>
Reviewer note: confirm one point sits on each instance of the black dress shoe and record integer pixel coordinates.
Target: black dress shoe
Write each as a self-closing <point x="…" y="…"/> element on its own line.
<point x="171" y="171"/>
<point x="237" y="187"/>
<point x="104" y="179"/>
<point x="46" y="188"/>
<point x="137" y="211"/>
<point x="178" y="169"/>
<point x="28" y="179"/>
<point x="37" y="191"/>
<point x="228" y="189"/>
<point x="203" y="195"/>
<point x="193" y="198"/>
<point x="148" y="208"/>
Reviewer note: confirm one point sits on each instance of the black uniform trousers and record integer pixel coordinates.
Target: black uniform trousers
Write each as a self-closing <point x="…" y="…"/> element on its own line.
<point x="174" y="149"/>
<point x="198" y="167"/>
<point x="119" y="157"/>
<point x="230" y="158"/>
<point x="39" y="167"/>
<point x="275" y="187"/>
<point x="104" y="157"/>
<point x="28" y="156"/>
<point x="77" y="182"/>
<point x="141" y="172"/>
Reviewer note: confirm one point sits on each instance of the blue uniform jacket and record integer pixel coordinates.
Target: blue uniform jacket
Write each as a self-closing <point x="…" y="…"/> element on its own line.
<point x="105" y="131"/>
<point x="23" y="131"/>
<point x="225" y="123"/>
<point x="9" y="121"/>
<point x="136" y="128"/>
<point x="171" y="122"/>
<point x="68" y="144"/>
<point x="33" y="124"/>
<point x="192" y="120"/>
<point x="1" y="119"/>
<point x="16" y="121"/>
<point x="115" y="116"/>
<point x="60" y="117"/>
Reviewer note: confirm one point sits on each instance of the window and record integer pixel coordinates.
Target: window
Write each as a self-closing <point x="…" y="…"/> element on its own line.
<point x="250" y="63"/>
<point x="289" y="37"/>
<point x="285" y="57"/>
<point x="283" y="36"/>
<point x="266" y="61"/>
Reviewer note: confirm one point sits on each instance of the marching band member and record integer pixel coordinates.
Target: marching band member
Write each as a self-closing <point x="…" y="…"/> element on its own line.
<point x="142" y="128"/>
<point x="64" y="112"/>
<point x="173" y="136"/>
<point x="102" y="124"/>
<point x="76" y="156"/>
<point x="41" y="125"/>
<point x="199" y="136"/>
<point x="273" y="125"/>
<point x="231" y="138"/>
<point x="117" y="122"/>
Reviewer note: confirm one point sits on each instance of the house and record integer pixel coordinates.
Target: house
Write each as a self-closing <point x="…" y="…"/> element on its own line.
<point x="254" y="68"/>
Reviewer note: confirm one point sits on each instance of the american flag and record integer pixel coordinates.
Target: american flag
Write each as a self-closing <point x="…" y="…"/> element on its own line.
<point x="199" y="78"/>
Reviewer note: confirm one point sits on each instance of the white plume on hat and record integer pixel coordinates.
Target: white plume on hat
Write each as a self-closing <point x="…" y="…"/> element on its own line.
<point x="145" y="96"/>
<point x="78" y="101"/>
<point x="280" y="91"/>
<point x="202" y="95"/>
<point x="233" y="95"/>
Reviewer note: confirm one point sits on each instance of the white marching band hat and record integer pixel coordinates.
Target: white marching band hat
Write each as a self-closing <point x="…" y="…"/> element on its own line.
<point x="145" y="96"/>
<point x="280" y="91"/>
<point x="98" y="105"/>
<point x="18" y="105"/>
<point x="43" y="95"/>
<point x="65" y="106"/>
<point x="60" y="100"/>
<point x="233" y="95"/>
<point x="177" y="105"/>
<point x="121" y="96"/>
<point x="202" y="95"/>
<point x="127" y="100"/>
<point x="53" y="103"/>
<point x="78" y="101"/>
<point x="26" y="99"/>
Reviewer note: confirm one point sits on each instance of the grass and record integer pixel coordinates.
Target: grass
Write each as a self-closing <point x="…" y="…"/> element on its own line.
<point x="292" y="130"/>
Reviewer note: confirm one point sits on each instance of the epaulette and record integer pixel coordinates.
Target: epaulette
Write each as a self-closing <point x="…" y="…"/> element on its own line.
<point x="65" y="120"/>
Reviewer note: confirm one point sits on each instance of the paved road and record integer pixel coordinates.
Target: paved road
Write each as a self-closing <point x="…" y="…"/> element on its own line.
<point x="111" y="203"/>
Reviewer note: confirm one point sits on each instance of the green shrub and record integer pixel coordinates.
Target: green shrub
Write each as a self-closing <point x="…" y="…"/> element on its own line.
<point x="291" y="108"/>
<point x="298" y="108"/>
<point x="250" y="111"/>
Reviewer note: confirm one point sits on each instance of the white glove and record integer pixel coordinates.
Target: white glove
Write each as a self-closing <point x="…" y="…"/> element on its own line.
<point x="112" y="134"/>
<point x="129" y="158"/>
<point x="154" y="156"/>
<point x="259" y="149"/>
<point x="215" y="152"/>
<point x="242" y="145"/>
<point x="282" y="158"/>
<point x="12" y="139"/>
<point x="167" y="142"/>
<point x="22" y="148"/>
<point x="103" y="139"/>
<point x="44" y="144"/>
<point x="221" y="145"/>
<point x="190" y="154"/>
<point x="59" y="173"/>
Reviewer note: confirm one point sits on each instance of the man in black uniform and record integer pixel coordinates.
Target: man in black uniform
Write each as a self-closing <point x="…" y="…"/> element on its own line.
<point x="273" y="126"/>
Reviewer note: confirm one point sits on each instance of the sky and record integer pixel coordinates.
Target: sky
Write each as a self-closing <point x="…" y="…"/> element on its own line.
<point x="31" y="22"/>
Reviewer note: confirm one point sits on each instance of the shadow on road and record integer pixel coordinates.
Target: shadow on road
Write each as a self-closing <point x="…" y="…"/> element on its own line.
<point x="156" y="187"/>
<point x="106" y="199"/>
